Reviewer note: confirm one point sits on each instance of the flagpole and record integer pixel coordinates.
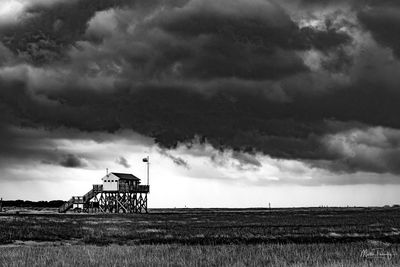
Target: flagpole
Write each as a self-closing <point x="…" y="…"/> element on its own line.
<point x="147" y="160"/>
<point x="148" y="169"/>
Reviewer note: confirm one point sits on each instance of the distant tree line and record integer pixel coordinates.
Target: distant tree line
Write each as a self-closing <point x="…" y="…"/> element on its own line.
<point x="34" y="204"/>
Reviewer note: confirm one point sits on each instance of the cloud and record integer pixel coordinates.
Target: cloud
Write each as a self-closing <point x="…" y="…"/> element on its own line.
<point x="72" y="161"/>
<point x="237" y="160"/>
<point x="382" y="19"/>
<point x="280" y="79"/>
<point x="209" y="163"/>
<point x="176" y="160"/>
<point x="254" y="40"/>
<point x="9" y="11"/>
<point x="370" y="149"/>
<point x="122" y="161"/>
<point x="47" y="29"/>
<point x="246" y="160"/>
<point x="269" y="129"/>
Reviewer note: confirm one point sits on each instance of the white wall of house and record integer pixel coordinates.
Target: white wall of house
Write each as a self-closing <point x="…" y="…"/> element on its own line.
<point x="110" y="182"/>
<point x="77" y="206"/>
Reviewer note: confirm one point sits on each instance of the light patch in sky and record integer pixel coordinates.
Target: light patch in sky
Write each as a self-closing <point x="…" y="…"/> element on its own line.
<point x="10" y="10"/>
<point x="312" y="59"/>
<point x="102" y="24"/>
<point x="372" y="142"/>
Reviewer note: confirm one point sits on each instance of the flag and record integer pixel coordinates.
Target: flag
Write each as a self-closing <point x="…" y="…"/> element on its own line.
<point x="145" y="160"/>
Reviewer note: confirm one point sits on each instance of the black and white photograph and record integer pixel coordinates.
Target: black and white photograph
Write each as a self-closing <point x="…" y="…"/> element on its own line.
<point x="199" y="133"/>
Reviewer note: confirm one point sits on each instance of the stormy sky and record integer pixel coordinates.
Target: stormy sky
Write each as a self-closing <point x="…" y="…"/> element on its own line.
<point x="237" y="102"/>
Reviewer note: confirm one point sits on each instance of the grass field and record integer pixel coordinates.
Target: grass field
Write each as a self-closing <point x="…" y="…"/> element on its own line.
<point x="184" y="255"/>
<point x="212" y="237"/>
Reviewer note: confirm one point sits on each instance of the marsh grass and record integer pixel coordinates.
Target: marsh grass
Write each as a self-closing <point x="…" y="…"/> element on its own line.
<point x="183" y="255"/>
<point x="290" y="237"/>
<point x="207" y="227"/>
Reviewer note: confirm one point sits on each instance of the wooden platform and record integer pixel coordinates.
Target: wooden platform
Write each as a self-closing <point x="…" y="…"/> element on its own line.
<point x="128" y="199"/>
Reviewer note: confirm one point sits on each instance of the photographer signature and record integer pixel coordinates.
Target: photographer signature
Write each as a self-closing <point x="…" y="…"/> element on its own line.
<point x="377" y="253"/>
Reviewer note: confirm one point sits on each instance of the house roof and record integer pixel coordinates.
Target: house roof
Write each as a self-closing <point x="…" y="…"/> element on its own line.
<point x="126" y="176"/>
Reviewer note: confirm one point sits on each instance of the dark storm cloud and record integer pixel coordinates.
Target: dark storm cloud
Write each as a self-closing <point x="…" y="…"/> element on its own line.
<point x="373" y="150"/>
<point x="250" y="123"/>
<point x="254" y="40"/>
<point x="122" y="161"/>
<point x="246" y="161"/>
<point x="383" y="21"/>
<point x="381" y="18"/>
<point x="217" y="42"/>
<point x="239" y="75"/>
<point x="47" y="31"/>
<point x="176" y="160"/>
<point x="21" y="145"/>
<point x="72" y="161"/>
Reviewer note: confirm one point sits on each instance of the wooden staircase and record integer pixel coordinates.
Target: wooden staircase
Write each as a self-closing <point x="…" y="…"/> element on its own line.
<point x="67" y="205"/>
<point x="81" y="200"/>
